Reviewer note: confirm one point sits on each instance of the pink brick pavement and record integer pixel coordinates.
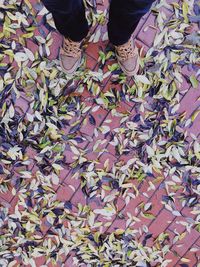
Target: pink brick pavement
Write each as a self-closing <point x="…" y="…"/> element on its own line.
<point x="69" y="188"/>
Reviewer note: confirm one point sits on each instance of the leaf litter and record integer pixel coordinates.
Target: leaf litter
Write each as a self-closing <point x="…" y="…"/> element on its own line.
<point x="38" y="144"/>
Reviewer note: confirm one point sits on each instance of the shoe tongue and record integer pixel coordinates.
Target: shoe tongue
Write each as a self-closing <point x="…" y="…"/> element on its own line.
<point x="126" y="51"/>
<point x="72" y="49"/>
<point x="126" y="54"/>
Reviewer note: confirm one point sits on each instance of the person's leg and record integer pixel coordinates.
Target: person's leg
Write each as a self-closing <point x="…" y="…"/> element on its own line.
<point x="124" y="17"/>
<point x="70" y="20"/>
<point x="69" y="17"/>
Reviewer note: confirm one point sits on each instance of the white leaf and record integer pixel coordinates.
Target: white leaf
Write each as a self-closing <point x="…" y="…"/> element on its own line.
<point x="150" y="151"/>
<point x="20" y="57"/>
<point x="147" y="206"/>
<point x="142" y="79"/>
<point x="176" y="213"/>
<point x="107" y="212"/>
<point x="97" y="36"/>
<point x="91" y="219"/>
<point x="55" y="179"/>
<point x="38" y="115"/>
<point x="57" y="167"/>
<point x="176" y="179"/>
<point x="29" y="54"/>
<point x="26" y="174"/>
<point x="105" y="129"/>
<point x="30" y="117"/>
<point x="11" y="111"/>
<point x="75" y="150"/>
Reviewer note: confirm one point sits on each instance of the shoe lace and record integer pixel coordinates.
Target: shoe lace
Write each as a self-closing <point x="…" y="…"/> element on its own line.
<point x="71" y="48"/>
<point x="126" y="51"/>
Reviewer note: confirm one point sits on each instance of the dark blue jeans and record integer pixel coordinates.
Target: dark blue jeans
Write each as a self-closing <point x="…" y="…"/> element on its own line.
<point x="124" y="15"/>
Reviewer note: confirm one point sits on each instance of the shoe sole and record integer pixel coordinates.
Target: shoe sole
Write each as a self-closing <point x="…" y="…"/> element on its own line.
<point x="137" y="67"/>
<point x="72" y="71"/>
<point x="129" y="73"/>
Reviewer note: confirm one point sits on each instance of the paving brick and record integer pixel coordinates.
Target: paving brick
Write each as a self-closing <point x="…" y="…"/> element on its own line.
<point x="92" y="49"/>
<point x="177" y="225"/>
<point x="139" y="26"/>
<point x="21" y="105"/>
<point x="116" y="224"/>
<point x="87" y="127"/>
<point x="7" y="196"/>
<point x="112" y="149"/>
<point x="156" y="201"/>
<point x="188" y="70"/>
<point x="191" y="256"/>
<point x="4" y="203"/>
<point x="106" y="161"/>
<point x="92" y="156"/>
<point x="97" y="116"/>
<point x="69" y="262"/>
<point x="105" y="222"/>
<point x="162" y="221"/>
<point x="187" y="214"/>
<point x="183" y="245"/>
<point x="119" y="204"/>
<point x="13" y="203"/>
<point x="143" y="48"/>
<point x="148" y="31"/>
<point x="57" y="43"/>
<point x="184" y="87"/>
<point x="90" y="62"/>
<point x="110" y="84"/>
<point x="63" y="174"/>
<point x="132" y="205"/>
<point x="152" y="190"/>
<point x="194" y="128"/>
<point x="44" y="225"/>
<point x="173" y="257"/>
<point x="72" y="180"/>
<point x="190" y="97"/>
<point x="79" y="197"/>
<point x="32" y="45"/>
<point x="64" y="193"/>
<point x="69" y="156"/>
<point x="39" y="261"/>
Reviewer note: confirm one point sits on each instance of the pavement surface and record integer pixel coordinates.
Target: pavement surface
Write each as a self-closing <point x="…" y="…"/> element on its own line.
<point x="118" y="155"/>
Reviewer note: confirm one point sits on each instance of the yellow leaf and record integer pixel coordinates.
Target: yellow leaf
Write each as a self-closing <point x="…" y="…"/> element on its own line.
<point x="185" y="260"/>
<point x="185" y="12"/>
<point x="28" y="4"/>
<point x="194" y="81"/>
<point x="194" y="115"/>
<point x="119" y="231"/>
<point x="28" y="35"/>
